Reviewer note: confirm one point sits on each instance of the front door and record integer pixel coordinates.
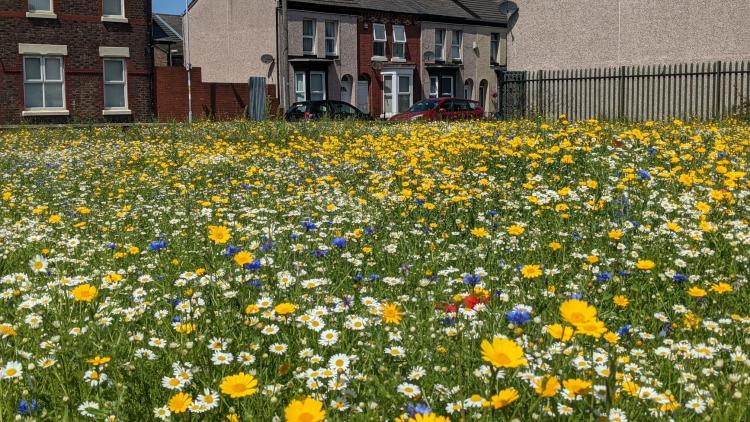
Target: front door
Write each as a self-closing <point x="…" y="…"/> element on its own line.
<point x="363" y="96"/>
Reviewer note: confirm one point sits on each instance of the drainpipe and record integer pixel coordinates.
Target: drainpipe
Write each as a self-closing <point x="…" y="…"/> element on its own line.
<point x="283" y="35"/>
<point x="189" y="65"/>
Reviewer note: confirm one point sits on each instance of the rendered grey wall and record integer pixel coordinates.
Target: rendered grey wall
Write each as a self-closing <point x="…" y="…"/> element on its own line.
<point x="568" y="34"/>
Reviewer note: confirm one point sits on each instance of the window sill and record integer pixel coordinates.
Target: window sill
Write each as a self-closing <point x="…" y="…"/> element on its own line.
<point x="38" y="113"/>
<point x="379" y="59"/>
<point x="41" y="15"/>
<point x="114" y="19"/>
<point x="398" y="60"/>
<point x="116" y="112"/>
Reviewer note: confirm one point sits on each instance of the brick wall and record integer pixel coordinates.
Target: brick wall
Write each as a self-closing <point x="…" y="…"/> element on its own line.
<point x="365" y="65"/>
<point x="79" y="26"/>
<point x="219" y="101"/>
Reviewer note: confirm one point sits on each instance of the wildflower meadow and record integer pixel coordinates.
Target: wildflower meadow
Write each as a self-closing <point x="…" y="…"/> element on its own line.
<point x="343" y="271"/>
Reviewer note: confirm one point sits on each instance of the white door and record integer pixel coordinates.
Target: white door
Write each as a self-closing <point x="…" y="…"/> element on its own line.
<point x="363" y="96"/>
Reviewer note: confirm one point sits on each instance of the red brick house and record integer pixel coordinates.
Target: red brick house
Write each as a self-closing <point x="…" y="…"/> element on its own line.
<point x="75" y="60"/>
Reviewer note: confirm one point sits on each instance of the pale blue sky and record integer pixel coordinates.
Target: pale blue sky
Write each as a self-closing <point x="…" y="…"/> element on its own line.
<point x="173" y="7"/>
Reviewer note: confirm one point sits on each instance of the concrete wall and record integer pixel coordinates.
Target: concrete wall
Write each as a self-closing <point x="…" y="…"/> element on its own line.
<point x="344" y="64"/>
<point x="475" y="62"/>
<point x="227" y="38"/>
<point x="566" y="34"/>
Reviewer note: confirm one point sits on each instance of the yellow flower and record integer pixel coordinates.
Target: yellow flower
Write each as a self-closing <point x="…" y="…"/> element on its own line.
<point x="252" y="309"/>
<point x="577" y="312"/>
<point x="621" y="301"/>
<point x="515" y="230"/>
<point x="555" y="246"/>
<point x="593" y="328"/>
<point x="479" y="232"/>
<point x="7" y="330"/>
<point x="531" y="271"/>
<point x="504" y="398"/>
<point x="180" y="402"/>
<point x="645" y="264"/>
<point x="391" y="314"/>
<point x="559" y="332"/>
<point x="577" y="386"/>
<point x="219" y="234"/>
<point x="631" y="388"/>
<point x="611" y="338"/>
<point x="84" y="293"/>
<point x="284" y="308"/>
<point x="99" y="360"/>
<point x="503" y="353"/>
<point x="242" y="258"/>
<point x="722" y="288"/>
<point x="430" y="417"/>
<point x="546" y="386"/>
<point x="54" y="219"/>
<point x="615" y="234"/>
<point x="240" y="385"/>
<point x="307" y="410"/>
<point x="696" y="291"/>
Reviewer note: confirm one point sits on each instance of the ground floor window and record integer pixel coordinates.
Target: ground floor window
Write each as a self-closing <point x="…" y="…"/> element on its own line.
<point x="442" y="84"/>
<point x="309" y="85"/>
<point x="115" y="85"/>
<point x="317" y="86"/>
<point x="398" y="91"/>
<point x="43" y="83"/>
<point x="446" y="88"/>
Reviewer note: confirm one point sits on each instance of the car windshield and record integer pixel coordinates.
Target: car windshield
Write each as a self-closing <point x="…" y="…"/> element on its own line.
<point x="298" y="108"/>
<point x="424" y="105"/>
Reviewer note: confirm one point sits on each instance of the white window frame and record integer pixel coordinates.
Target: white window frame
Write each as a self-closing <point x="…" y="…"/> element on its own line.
<point x="440" y="44"/>
<point x="395" y="76"/>
<point x="469" y="83"/>
<point x="323" y="79"/>
<point x="399" y="43"/>
<point x="457" y="46"/>
<point x="494" y="42"/>
<point x="297" y="92"/>
<point x="123" y="83"/>
<point x="443" y="92"/>
<point x="436" y="85"/>
<point x="43" y="81"/>
<point x="48" y="13"/>
<point x="311" y="37"/>
<point x="376" y="40"/>
<point x="115" y="18"/>
<point x="335" y="38"/>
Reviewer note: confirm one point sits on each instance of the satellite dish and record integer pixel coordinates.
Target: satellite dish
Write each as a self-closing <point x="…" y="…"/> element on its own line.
<point x="429" y="56"/>
<point x="508" y="9"/>
<point x="266" y="59"/>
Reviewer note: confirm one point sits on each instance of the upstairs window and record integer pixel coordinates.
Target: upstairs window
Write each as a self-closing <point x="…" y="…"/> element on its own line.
<point x="440" y="44"/>
<point x="379" y="39"/>
<point x="456" y="45"/>
<point x="494" y="45"/>
<point x="399" y="42"/>
<point x="308" y="36"/>
<point x="43" y="83"/>
<point x="40" y="6"/>
<point x="332" y="34"/>
<point x="113" y="8"/>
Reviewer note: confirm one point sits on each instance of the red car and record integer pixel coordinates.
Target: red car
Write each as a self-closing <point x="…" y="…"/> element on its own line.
<point x="446" y="108"/>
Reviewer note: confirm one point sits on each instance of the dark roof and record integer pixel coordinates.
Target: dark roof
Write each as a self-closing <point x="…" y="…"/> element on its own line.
<point x="461" y="10"/>
<point x="167" y="28"/>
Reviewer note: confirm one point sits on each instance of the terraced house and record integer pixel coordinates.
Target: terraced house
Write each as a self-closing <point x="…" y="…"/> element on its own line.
<point x="380" y="55"/>
<point x="75" y="60"/>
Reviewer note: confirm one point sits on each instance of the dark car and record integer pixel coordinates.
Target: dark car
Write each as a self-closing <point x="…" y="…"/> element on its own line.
<point x="324" y="109"/>
<point x="446" y="108"/>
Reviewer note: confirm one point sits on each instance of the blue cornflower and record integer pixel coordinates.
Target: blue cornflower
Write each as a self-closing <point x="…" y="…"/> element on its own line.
<point x="112" y="246"/>
<point x="374" y="277"/>
<point x="603" y="276"/>
<point x="157" y="245"/>
<point x="369" y="230"/>
<point x="358" y="277"/>
<point x="267" y="246"/>
<point x="27" y="408"/>
<point x="576" y="296"/>
<point x="491" y="213"/>
<point x="624" y="330"/>
<point x="680" y="278"/>
<point x="666" y="328"/>
<point x="320" y="253"/>
<point x="231" y="251"/>
<point x="309" y="225"/>
<point x="643" y="174"/>
<point x="294" y="236"/>
<point x="623" y="274"/>
<point x="253" y="265"/>
<point x="176" y="301"/>
<point x="422" y="409"/>
<point x="472" y="280"/>
<point x="419" y="201"/>
<point x="339" y="242"/>
<point x="176" y="318"/>
<point x="652" y="151"/>
<point x="518" y="316"/>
